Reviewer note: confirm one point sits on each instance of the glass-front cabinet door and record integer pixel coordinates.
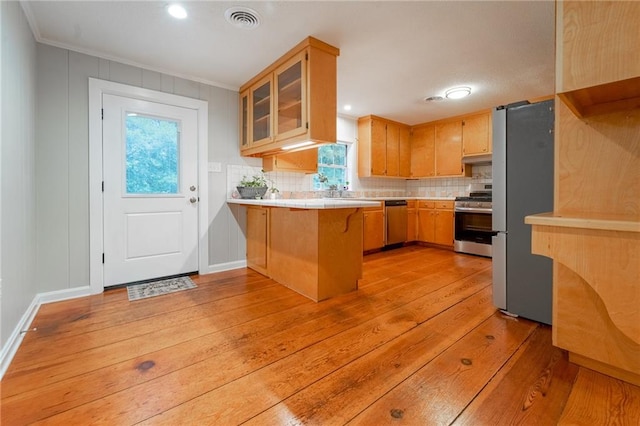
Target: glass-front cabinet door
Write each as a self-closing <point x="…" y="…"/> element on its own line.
<point x="291" y="97"/>
<point x="244" y="120"/>
<point x="261" y="125"/>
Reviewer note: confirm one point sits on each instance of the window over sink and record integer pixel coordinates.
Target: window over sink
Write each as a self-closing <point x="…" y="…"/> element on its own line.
<point x="332" y="163"/>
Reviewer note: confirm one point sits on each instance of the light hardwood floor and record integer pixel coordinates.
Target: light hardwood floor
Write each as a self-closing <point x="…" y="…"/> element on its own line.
<point x="418" y="344"/>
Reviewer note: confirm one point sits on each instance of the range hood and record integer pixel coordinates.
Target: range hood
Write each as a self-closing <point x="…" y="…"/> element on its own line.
<point x="477" y="159"/>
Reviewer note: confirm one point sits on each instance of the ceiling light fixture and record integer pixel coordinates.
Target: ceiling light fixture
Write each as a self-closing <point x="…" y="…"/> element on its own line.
<point x="457" y="92"/>
<point x="177" y="11"/>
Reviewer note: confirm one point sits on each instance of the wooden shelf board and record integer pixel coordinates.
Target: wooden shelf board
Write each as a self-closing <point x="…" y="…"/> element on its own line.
<point x="291" y="88"/>
<point x="611" y="222"/>
<point x="604" y="98"/>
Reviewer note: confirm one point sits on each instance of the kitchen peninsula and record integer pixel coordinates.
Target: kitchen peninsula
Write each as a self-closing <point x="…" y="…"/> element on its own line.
<point x="312" y="246"/>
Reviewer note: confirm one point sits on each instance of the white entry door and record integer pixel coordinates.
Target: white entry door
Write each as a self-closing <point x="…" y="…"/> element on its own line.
<point x="150" y="170"/>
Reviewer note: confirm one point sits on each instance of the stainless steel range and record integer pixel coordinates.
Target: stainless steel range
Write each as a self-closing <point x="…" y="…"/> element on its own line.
<point x="473" y="221"/>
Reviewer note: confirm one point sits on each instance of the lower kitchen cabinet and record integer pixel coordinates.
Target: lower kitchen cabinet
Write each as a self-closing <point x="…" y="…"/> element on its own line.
<point x="373" y="228"/>
<point x="257" y="238"/>
<point x="412" y="221"/>
<point x="435" y="222"/>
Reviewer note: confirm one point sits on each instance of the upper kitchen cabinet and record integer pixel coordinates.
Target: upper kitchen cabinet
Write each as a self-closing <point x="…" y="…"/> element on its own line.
<point x="437" y="148"/>
<point x="607" y="31"/>
<point x="302" y="162"/>
<point x="476" y="135"/>
<point x="423" y="151"/>
<point x="383" y="148"/>
<point x="292" y="104"/>
<point x="448" y="149"/>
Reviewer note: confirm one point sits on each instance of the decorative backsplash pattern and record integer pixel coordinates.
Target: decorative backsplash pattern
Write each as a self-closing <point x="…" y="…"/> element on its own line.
<point x="297" y="185"/>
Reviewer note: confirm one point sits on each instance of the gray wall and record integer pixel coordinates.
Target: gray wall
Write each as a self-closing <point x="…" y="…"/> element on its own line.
<point x="17" y="169"/>
<point x="62" y="178"/>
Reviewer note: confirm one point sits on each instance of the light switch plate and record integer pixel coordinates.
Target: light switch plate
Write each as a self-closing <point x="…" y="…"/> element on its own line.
<point x="215" y="167"/>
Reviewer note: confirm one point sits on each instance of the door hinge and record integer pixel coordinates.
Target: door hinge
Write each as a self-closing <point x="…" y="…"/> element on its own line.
<point x="307" y="125"/>
<point x="103" y="258"/>
<point x="102" y="186"/>
<point x="102" y="113"/>
<point x="306" y="56"/>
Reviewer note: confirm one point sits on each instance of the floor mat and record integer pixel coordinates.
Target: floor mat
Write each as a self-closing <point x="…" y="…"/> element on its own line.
<point x="158" y="288"/>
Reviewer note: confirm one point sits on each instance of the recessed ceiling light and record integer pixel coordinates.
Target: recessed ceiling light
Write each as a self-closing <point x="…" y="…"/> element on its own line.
<point x="347" y="107"/>
<point x="177" y="11"/>
<point x="458" y="92"/>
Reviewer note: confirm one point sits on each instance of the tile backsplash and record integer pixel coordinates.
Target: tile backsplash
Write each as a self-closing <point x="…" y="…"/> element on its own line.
<point x="297" y="185"/>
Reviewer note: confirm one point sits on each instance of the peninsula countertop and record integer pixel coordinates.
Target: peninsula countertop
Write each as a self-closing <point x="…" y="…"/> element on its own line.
<point x="306" y="203"/>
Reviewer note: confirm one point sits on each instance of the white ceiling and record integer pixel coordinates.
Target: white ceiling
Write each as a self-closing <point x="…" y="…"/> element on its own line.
<point x="392" y="54"/>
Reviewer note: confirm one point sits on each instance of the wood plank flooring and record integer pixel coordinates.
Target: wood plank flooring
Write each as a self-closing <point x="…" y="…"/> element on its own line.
<point x="419" y="343"/>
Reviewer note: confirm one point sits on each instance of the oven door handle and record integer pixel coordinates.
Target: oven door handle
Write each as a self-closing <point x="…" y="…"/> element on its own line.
<point x="472" y="210"/>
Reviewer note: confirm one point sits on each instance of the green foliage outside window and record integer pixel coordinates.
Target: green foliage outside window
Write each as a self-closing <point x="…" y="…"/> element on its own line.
<point x="152" y="155"/>
<point x="332" y="164"/>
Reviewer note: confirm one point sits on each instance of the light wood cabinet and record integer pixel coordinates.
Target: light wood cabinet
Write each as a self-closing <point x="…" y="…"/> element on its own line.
<point x="260" y="111"/>
<point x="436" y="150"/>
<point x="444" y="227"/>
<point x="476" y="134"/>
<point x="373" y="228"/>
<point x="423" y="160"/>
<point x="257" y="238"/>
<point x="435" y="222"/>
<point x="448" y="145"/>
<point x="383" y="148"/>
<point x="593" y="234"/>
<point x="292" y="101"/>
<point x="302" y="161"/>
<point x="245" y="125"/>
<point x="412" y="221"/>
<point x="404" y="149"/>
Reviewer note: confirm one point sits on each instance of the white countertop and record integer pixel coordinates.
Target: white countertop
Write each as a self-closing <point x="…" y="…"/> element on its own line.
<point x="404" y="198"/>
<point x="307" y="203"/>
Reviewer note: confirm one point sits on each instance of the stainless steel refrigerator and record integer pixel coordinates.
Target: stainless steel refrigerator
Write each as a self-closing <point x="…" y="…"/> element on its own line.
<point x="522" y="170"/>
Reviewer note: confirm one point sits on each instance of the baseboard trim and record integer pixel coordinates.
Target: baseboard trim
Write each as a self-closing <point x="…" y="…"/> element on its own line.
<point x="13" y="343"/>
<point x="66" y="294"/>
<point x="220" y="267"/>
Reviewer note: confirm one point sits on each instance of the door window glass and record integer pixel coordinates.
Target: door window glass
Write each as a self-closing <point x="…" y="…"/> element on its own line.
<point x="152" y="154"/>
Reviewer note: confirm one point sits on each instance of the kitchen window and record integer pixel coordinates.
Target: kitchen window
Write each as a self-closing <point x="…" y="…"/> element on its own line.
<point x="332" y="163"/>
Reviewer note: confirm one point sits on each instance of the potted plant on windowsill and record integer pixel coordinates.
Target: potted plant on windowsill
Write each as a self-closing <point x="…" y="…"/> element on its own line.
<point x="254" y="187"/>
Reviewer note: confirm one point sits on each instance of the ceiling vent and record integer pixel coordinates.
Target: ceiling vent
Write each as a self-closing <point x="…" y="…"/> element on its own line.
<point x="242" y="17"/>
<point x="433" y="98"/>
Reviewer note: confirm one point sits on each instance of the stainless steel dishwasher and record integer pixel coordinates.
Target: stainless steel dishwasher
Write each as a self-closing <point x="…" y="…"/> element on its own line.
<point x="396" y="222"/>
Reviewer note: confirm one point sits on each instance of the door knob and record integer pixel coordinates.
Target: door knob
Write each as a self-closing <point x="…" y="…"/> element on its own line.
<point x="192" y="188"/>
<point x="193" y="200"/>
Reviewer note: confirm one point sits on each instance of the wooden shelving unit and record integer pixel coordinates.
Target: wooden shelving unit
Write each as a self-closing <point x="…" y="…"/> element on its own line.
<point x="593" y="234"/>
